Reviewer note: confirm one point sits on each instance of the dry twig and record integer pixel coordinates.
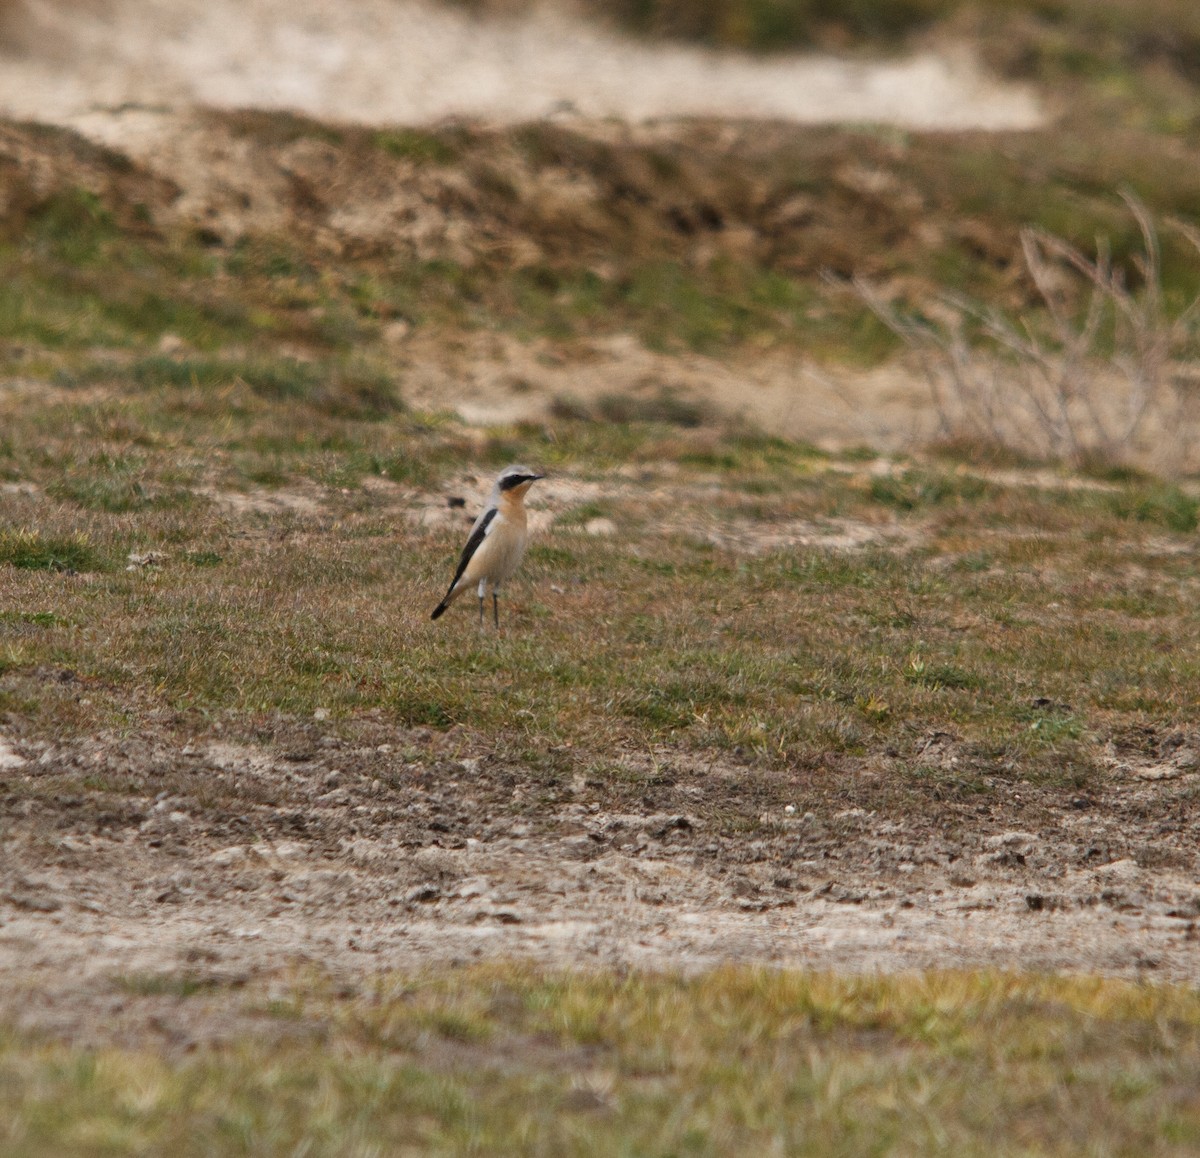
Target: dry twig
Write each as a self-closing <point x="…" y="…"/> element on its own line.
<point x="1094" y="378"/>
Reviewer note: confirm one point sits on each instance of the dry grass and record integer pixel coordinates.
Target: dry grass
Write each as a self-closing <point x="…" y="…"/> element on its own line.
<point x="505" y="1060"/>
<point x="1102" y="376"/>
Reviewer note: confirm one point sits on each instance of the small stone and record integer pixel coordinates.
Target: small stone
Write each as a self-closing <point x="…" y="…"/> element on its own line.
<point x="673" y="823"/>
<point x="9" y="758"/>
<point x="1124" y="870"/>
<point x="224" y="857"/>
<point x="1158" y="772"/>
<point x="1011" y="840"/>
<point x="600" y="527"/>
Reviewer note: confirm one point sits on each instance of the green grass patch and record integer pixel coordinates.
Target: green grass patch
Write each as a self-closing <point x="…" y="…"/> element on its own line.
<point x="1166" y="506"/>
<point x="33" y="551"/>
<point x="506" y="1060"/>
<point x="165" y="984"/>
<point x="422" y="148"/>
<point x="116" y="483"/>
<point x="941" y="675"/>
<point x="338" y="388"/>
<point x="73" y="225"/>
<point x="34" y="618"/>
<point x="916" y="488"/>
<point x="779" y="656"/>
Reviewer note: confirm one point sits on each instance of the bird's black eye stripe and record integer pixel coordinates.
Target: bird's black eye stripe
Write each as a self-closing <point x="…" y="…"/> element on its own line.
<point x="515" y="480"/>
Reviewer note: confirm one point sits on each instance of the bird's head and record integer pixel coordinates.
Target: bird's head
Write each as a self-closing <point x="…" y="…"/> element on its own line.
<point x="516" y="481"/>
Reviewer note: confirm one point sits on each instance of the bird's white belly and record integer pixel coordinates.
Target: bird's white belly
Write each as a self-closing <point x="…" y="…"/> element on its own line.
<point x="498" y="557"/>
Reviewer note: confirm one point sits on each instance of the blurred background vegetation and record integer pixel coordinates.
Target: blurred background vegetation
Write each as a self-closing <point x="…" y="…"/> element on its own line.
<point x="1023" y="37"/>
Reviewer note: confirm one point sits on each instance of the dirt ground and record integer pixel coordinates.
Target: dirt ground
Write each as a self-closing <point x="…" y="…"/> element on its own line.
<point x="493" y="380"/>
<point x="347" y="855"/>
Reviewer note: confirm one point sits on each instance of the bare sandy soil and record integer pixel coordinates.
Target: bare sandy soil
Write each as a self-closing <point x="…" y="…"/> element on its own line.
<point x="405" y="61"/>
<point x="343" y="853"/>
<point x="494" y="380"/>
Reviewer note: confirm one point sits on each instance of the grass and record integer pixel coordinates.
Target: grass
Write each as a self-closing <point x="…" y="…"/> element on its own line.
<point x="686" y="245"/>
<point x="508" y="1060"/>
<point x="775" y="654"/>
<point x="31" y="550"/>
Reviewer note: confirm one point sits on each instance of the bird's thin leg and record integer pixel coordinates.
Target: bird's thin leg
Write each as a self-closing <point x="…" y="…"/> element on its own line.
<point x="496" y="608"/>
<point x="481" y="609"/>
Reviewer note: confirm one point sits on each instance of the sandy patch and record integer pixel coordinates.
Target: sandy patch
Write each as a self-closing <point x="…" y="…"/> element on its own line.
<point x="412" y="62"/>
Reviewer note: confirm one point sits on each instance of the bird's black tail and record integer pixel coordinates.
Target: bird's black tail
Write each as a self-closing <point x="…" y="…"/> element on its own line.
<point x="439" y="609"/>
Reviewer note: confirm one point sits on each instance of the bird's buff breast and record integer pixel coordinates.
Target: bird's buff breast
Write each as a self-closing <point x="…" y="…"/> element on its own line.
<point x="499" y="555"/>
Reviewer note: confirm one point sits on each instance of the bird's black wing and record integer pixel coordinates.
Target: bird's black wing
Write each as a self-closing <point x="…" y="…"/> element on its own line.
<point x="478" y="534"/>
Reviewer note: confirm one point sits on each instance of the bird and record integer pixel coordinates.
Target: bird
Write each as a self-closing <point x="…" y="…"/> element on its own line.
<point x="496" y="543"/>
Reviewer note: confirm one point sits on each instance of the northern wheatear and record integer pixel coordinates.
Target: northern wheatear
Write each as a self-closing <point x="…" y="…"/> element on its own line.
<point x="497" y="541"/>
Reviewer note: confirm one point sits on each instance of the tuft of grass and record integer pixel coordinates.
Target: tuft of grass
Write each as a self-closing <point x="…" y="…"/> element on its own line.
<point x="117" y="483"/>
<point x="32" y="551"/>
<point x="409" y="144"/>
<point x="338" y="388"/>
<point x="941" y="675"/>
<point x="915" y="488"/>
<point x="1163" y="504"/>
<point x="73" y="225"/>
<point x="165" y="984"/>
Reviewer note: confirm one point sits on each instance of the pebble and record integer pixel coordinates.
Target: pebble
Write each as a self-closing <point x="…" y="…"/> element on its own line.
<point x="9" y="758"/>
